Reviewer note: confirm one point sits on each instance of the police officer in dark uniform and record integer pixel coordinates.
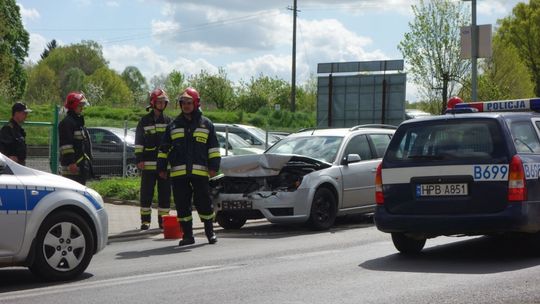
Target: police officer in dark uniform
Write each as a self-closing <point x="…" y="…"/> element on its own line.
<point x="148" y="136"/>
<point x="12" y="135"/>
<point x="191" y="148"/>
<point x="75" y="145"/>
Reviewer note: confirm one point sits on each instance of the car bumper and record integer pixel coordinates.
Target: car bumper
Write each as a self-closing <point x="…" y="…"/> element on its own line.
<point x="102" y="229"/>
<point x="518" y="217"/>
<point x="276" y="207"/>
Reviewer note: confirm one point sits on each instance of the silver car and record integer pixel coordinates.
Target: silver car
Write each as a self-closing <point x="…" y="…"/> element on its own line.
<point x="49" y="223"/>
<point x="311" y="177"/>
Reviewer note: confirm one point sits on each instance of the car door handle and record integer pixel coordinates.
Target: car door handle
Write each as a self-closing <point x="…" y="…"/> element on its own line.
<point x="34" y="192"/>
<point x="373" y="169"/>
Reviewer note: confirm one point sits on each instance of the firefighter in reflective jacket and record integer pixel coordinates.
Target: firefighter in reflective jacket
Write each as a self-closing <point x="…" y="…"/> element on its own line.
<point x="147" y="139"/>
<point x="191" y="148"/>
<point x="75" y="146"/>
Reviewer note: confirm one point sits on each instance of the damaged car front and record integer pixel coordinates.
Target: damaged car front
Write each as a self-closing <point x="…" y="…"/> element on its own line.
<point x="272" y="186"/>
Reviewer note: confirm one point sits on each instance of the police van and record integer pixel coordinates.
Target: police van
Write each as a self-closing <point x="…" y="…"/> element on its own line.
<point x="49" y="223"/>
<point x="472" y="171"/>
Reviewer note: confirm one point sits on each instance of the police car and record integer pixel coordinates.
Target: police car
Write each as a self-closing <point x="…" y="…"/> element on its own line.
<point x="473" y="171"/>
<point x="49" y="223"/>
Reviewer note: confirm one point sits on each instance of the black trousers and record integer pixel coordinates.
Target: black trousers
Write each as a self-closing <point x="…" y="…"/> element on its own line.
<point x="149" y="179"/>
<point x="187" y="187"/>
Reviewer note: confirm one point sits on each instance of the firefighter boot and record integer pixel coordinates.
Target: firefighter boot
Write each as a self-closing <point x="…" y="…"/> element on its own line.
<point x="209" y="231"/>
<point x="187" y="238"/>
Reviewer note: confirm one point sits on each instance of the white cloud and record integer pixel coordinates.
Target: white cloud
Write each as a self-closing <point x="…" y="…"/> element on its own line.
<point x="164" y="27"/>
<point x="268" y="65"/>
<point x="329" y="40"/>
<point x="151" y="63"/>
<point x="28" y="14"/>
<point x="112" y="4"/>
<point x="38" y="43"/>
<point x="83" y="2"/>
<point x="493" y="8"/>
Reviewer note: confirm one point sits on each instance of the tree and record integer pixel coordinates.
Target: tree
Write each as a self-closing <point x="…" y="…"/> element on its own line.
<point x="264" y="91"/>
<point x="432" y="48"/>
<point x="14" y="42"/>
<point x="114" y="89"/>
<point x="175" y="84"/>
<point x="505" y="75"/>
<point x="50" y="46"/>
<point x="136" y="83"/>
<point x="86" y="56"/>
<point x="215" y="89"/>
<point x="522" y="30"/>
<point x="42" y="85"/>
<point x="73" y="81"/>
<point x="307" y="95"/>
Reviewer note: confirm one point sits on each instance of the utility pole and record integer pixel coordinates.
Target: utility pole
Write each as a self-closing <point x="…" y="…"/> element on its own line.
<point x="474" y="51"/>
<point x="293" y="77"/>
<point x="474" y="55"/>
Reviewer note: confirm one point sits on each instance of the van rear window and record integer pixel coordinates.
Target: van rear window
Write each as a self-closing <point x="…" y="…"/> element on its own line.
<point x="444" y="140"/>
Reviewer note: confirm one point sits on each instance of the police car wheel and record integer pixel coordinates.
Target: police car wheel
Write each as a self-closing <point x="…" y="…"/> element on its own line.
<point x="230" y="221"/>
<point x="64" y="247"/>
<point x="323" y="210"/>
<point x="406" y="244"/>
<point x="132" y="170"/>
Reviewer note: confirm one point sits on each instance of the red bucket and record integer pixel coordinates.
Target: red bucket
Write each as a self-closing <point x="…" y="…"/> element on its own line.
<point x="171" y="227"/>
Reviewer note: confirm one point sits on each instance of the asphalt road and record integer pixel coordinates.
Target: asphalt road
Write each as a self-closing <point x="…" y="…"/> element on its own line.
<point x="351" y="263"/>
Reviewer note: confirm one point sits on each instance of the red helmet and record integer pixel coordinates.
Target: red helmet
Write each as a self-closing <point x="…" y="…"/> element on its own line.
<point x="158" y="94"/>
<point x="73" y="100"/>
<point x="191" y="93"/>
<point x="453" y="101"/>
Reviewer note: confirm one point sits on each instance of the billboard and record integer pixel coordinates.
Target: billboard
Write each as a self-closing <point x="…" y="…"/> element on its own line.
<point x="355" y="93"/>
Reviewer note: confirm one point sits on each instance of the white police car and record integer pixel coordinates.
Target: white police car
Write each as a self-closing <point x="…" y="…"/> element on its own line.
<point x="461" y="174"/>
<point x="49" y="223"/>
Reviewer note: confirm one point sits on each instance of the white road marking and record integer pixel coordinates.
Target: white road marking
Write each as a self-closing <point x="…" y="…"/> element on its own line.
<point x="37" y="292"/>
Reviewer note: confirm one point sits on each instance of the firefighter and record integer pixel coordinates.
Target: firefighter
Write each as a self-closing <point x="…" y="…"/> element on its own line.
<point x="147" y="139"/>
<point x="12" y="135"/>
<point x="191" y="148"/>
<point x="75" y="146"/>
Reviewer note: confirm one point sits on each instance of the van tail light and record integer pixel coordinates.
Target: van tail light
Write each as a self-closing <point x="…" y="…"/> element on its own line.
<point x="379" y="197"/>
<point x="517" y="189"/>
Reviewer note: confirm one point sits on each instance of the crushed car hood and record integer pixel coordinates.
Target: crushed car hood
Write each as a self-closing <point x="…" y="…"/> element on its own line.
<point x="264" y="164"/>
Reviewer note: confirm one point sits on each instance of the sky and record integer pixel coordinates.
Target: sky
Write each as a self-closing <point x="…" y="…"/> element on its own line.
<point x="246" y="38"/>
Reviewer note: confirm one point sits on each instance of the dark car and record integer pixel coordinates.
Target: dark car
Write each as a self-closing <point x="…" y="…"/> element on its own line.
<point x="461" y="174"/>
<point x="108" y="150"/>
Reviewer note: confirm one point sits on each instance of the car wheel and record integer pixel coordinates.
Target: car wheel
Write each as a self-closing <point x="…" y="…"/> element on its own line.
<point x="230" y="221"/>
<point x="323" y="210"/>
<point x="64" y="247"/>
<point x="407" y="245"/>
<point x="132" y="170"/>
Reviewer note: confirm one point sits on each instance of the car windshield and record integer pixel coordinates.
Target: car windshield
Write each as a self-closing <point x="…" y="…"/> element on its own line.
<point x="260" y="133"/>
<point x="237" y="141"/>
<point x="130" y="137"/>
<point x="318" y="147"/>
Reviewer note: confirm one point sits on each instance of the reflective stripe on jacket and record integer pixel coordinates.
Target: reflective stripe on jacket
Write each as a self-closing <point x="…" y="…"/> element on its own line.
<point x="148" y="137"/>
<point x="190" y="147"/>
<point x="74" y="140"/>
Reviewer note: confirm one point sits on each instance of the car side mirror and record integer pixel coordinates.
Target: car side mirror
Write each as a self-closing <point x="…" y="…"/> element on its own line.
<point x="351" y="158"/>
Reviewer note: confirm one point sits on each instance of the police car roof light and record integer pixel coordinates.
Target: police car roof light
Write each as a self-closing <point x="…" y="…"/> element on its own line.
<point x="531" y="104"/>
<point x="460" y="110"/>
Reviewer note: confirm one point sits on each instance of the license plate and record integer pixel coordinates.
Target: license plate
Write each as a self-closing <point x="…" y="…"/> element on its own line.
<point x="442" y="189"/>
<point x="236" y="205"/>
